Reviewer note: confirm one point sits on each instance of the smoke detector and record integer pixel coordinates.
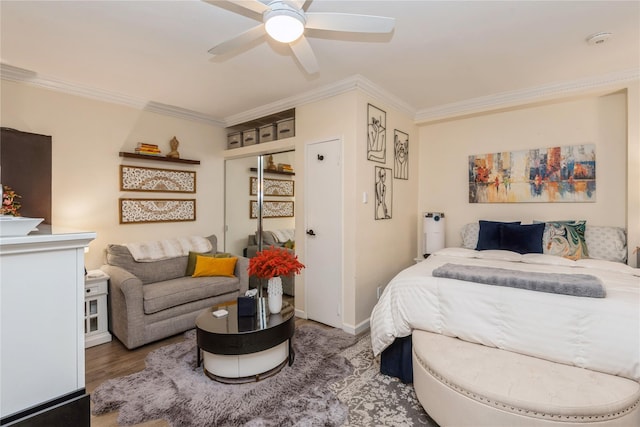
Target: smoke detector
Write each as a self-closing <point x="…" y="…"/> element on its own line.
<point x="598" y="38"/>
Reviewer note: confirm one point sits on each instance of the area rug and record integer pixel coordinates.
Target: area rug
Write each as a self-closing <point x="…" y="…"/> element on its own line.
<point x="334" y="381"/>
<point x="375" y="399"/>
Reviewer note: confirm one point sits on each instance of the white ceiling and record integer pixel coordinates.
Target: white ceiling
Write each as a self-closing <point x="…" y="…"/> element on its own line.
<point x="441" y="52"/>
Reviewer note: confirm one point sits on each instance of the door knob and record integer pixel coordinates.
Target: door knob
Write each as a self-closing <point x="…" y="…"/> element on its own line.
<point x="320" y="157"/>
<point x="311" y="232"/>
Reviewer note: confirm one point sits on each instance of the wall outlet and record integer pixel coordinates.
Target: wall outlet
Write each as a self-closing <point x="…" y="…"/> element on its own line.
<point x="378" y="292"/>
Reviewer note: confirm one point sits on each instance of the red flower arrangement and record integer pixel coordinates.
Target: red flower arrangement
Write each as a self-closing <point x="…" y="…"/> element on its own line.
<point x="274" y="262"/>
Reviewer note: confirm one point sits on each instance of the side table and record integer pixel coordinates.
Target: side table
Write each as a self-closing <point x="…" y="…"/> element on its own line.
<point x="96" y="323"/>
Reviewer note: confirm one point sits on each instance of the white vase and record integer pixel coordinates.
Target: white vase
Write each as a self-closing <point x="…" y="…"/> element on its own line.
<point x="274" y="290"/>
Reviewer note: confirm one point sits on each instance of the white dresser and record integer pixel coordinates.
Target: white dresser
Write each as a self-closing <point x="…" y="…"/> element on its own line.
<point x="42" y="296"/>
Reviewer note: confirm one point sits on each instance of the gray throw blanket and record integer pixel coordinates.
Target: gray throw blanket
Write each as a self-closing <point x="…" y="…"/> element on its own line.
<point x="580" y="285"/>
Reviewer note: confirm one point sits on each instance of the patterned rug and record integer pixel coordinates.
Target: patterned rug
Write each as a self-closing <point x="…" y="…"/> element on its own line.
<point x="375" y="399"/>
<point x="334" y="381"/>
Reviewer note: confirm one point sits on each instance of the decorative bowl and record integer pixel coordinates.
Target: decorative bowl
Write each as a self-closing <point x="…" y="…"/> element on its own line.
<point x="17" y="225"/>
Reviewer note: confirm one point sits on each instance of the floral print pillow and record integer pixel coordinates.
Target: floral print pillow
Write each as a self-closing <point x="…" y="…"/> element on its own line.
<point x="565" y="239"/>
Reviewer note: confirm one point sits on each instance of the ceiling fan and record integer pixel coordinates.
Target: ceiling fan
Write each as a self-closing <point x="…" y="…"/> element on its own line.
<point x="285" y="21"/>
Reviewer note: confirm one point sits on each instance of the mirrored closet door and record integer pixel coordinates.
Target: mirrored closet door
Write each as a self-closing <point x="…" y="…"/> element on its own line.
<point x="259" y="201"/>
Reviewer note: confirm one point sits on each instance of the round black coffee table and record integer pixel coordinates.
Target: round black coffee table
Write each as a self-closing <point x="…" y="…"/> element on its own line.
<point x="236" y="349"/>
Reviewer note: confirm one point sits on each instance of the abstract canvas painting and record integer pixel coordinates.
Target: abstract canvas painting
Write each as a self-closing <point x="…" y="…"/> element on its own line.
<point x="555" y="174"/>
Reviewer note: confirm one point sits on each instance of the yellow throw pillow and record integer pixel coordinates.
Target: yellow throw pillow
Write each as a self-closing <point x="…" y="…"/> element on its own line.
<point x="206" y="266"/>
<point x="191" y="262"/>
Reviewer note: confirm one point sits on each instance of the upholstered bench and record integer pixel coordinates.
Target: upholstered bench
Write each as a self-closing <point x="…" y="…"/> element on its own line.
<point x="465" y="384"/>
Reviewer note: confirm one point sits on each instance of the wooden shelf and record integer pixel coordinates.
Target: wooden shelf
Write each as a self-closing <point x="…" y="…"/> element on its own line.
<point x="256" y="123"/>
<point x="272" y="171"/>
<point x="158" y="158"/>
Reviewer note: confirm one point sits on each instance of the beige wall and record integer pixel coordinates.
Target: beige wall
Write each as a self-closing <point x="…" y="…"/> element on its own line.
<point x="87" y="136"/>
<point x="374" y="251"/>
<point x="601" y="120"/>
<point x="325" y="120"/>
<point x="382" y="247"/>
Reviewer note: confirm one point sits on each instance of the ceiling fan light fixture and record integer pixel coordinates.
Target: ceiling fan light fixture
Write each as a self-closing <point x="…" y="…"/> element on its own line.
<point x="284" y="24"/>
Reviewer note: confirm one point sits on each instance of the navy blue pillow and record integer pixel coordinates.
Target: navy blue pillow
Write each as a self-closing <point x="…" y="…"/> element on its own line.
<point x="489" y="234"/>
<point x="524" y="239"/>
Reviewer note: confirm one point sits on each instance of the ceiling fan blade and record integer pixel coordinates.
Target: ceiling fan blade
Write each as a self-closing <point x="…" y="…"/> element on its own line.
<point x="303" y="52"/>
<point x="238" y="41"/>
<point x="252" y="5"/>
<point x="349" y="22"/>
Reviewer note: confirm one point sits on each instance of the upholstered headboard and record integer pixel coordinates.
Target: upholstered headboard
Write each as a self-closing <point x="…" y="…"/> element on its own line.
<point x="608" y="243"/>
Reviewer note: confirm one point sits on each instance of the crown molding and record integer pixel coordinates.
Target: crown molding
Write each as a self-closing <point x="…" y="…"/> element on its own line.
<point x="21" y="75"/>
<point x="182" y="113"/>
<point x="356" y="82"/>
<point x="497" y="101"/>
<point x="351" y="83"/>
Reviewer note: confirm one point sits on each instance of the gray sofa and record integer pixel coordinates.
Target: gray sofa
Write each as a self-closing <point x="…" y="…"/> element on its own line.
<point x="268" y="239"/>
<point x="149" y="301"/>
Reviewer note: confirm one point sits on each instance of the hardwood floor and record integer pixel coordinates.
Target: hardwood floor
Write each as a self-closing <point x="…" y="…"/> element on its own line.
<point x="113" y="360"/>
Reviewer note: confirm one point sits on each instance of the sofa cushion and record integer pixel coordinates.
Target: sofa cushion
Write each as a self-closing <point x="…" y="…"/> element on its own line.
<point x="147" y="272"/>
<point x="151" y="272"/>
<point x="269" y="239"/>
<point x="171" y="293"/>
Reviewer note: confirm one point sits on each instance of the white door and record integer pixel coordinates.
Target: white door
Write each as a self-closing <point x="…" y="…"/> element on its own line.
<point x="323" y="221"/>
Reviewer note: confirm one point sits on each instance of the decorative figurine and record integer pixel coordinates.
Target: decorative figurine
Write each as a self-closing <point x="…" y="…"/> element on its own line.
<point x="271" y="165"/>
<point x="174" y="148"/>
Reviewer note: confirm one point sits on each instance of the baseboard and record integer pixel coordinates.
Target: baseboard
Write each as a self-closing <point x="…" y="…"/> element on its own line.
<point x="357" y="329"/>
<point x="350" y="329"/>
<point x="93" y="340"/>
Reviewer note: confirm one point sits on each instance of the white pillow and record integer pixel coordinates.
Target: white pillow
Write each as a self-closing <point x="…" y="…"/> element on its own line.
<point x="546" y="259"/>
<point x="469" y="234"/>
<point x="602" y="264"/>
<point x="457" y="252"/>
<point x="608" y="243"/>
<point x="500" y="255"/>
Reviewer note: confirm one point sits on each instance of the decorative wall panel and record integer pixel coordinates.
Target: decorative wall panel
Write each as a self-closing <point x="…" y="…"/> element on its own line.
<point x="271" y="209"/>
<point x="135" y="178"/>
<point x="272" y="187"/>
<point x="157" y="210"/>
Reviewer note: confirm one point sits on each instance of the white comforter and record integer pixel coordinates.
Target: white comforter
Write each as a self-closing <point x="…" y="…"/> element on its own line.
<point x="602" y="334"/>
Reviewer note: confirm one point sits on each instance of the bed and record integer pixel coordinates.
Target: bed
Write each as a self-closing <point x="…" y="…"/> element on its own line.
<point x="601" y="334"/>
